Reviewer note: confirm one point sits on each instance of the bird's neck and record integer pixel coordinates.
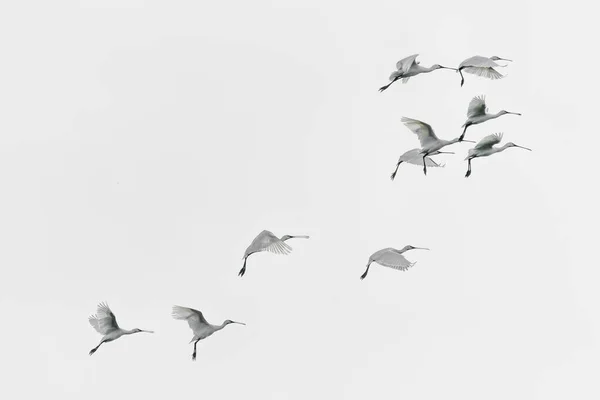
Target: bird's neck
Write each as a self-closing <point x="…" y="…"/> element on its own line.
<point x="219" y="327"/>
<point x="506" y="146"/>
<point x="496" y="115"/>
<point x="128" y="332"/>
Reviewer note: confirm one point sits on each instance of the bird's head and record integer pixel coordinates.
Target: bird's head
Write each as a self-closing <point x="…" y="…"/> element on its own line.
<point x="511" y="144"/>
<point x="503" y="112"/>
<point x="409" y="247"/>
<point x="228" y="321"/>
<point x="496" y="58"/>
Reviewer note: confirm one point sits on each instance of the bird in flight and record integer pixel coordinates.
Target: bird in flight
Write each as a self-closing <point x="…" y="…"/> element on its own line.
<point x="430" y="143"/>
<point x="408" y="67"/>
<point x="477" y="113"/>
<point x="201" y="328"/>
<point x="106" y="324"/>
<point x="481" y="66"/>
<point x="413" y="157"/>
<point x="392" y="258"/>
<point x="486" y="148"/>
<point x="267" y="241"/>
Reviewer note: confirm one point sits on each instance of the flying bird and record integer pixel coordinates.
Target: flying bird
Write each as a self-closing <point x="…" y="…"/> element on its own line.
<point x="430" y="143"/>
<point x="267" y="241"/>
<point x="201" y="328"/>
<point x="485" y="148"/>
<point x="408" y="67"/>
<point x="477" y="113"/>
<point x="106" y="324"/>
<point x="413" y="157"/>
<point x="392" y="258"/>
<point x="482" y="66"/>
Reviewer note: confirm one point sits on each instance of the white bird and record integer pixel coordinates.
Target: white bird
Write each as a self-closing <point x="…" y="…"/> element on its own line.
<point x="201" y="328"/>
<point x="106" y="324"/>
<point x="392" y="258"/>
<point x="413" y="157"/>
<point x="430" y="143"/>
<point x="485" y="148"/>
<point x="408" y="67"/>
<point x="477" y="113"/>
<point x="267" y="241"/>
<point x="482" y="66"/>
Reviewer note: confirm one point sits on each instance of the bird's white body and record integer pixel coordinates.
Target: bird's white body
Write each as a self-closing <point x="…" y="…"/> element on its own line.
<point x="481" y="66"/>
<point x="430" y="143"/>
<point x="414" y="157"/>
<point x="407" y="68"/>
<point x="391" y="258"/>
<point x="267" y="241"/>
<point x="199" y="325"/>
<point x="478" y="113"/>
<point x="485" y="148"/>
<point x="105" y="323"/>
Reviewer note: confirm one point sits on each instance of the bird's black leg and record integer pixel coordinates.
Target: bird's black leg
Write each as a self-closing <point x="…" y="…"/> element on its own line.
<point x="468" y="170"/>
<point x="381" y="89"/>
<point x="243" y="270"/>
<point x="363" y="276"/>
<point x="194" y="354"/>
<point x="92" y="351"/>
<point x="463" y="134"/>
<point x="462" y="78"/>
<point x="424" y="164"/>
<point x="396" y="171"/>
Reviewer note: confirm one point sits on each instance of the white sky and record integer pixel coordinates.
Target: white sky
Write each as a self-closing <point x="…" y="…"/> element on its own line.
<point x="144" y="144"/>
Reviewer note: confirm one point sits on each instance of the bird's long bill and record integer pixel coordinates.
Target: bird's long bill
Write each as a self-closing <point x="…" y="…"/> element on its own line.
<point x="521" y="147"/>
<point x="468" y="141"/>
<point x="235" y="322"/>
<point x="421" y="248"/>
<point x="301" y="237"/>
<point x="505" y="59"/>
<point x="146" y="331"/>
<point x="454" y="69"/>
<point x="514" y="113"/>
<point x="446" y="152"/>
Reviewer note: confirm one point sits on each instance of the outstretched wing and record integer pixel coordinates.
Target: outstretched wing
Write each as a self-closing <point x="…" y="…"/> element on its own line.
<point x="194" y="318"/>
<point x="405" y="64"/>
<point x="477" y="107"/>
<point x="391" y="259"/>
<point x="104" y="321"/>
<point x="489" y="141"/>
<point x="478" y="61"/>
<point x="267" y="241"/>
<point x="486" y="72"/>
<point x="414" y="157"/>
<point x="421" y="129"/>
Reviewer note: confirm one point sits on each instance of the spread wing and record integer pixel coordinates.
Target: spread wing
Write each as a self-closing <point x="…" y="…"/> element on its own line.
<point x="479" y="61"/>
<point x="489" y="141"/>
<point x="194" y="318"/>
<point x="421" y="129"/>
<point x="486" y="72"/>
<point x="104" y="321"/>
<point x="267" y="241"/>
<point x="391" y="259"/>
<point x="414" y="157"/>
<point x="406" y="63"/>
<point x="477" y="107"/>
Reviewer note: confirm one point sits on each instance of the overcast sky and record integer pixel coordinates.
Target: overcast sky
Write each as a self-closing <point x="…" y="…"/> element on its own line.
<point x="144" y="144"/>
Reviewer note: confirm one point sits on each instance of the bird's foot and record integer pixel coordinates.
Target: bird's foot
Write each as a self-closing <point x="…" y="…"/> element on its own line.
<point x="194" y="357"/>
<point x="468" y="174"/>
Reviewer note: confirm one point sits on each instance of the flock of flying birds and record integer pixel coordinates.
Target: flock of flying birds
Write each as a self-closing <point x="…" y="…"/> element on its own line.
<point x="105" y="322"/>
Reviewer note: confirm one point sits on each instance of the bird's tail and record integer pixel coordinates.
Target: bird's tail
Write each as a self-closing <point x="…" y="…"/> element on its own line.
<point x="363" y="276"/>
<point x="243" y="270"/>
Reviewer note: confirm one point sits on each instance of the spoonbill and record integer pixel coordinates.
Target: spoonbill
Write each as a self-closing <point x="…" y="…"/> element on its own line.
<point x="477" y="113"/>
<point x="201" y="328"/>
<point x="267" y="241"/>
<point x="485" y="148"/>
<point x="408" y="67"/>
<point x="482" y="66"/>
<point x="392" y="258"/>
<point x="106" y="324"/>
<point x="429" y="141"/>
<point x="413" y="157"/>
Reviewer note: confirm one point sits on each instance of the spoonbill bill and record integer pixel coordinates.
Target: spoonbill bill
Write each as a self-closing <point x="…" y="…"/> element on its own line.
<point x="485" y="148"/>
<point x="482" y="66"/>
<point x="430" y="143"/>
<point x="201" y="328"/>
<point x="392" y="258"/>
<point x="408" y="67"/>
<point x="267" y="241"/>
<point x="106" y="324"/>
<point x="477" y="113"/>
<point x="413" y="157"/>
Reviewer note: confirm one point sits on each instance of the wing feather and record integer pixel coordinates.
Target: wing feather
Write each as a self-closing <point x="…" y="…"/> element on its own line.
<point x="414" y="157"/>
<point x="194" y="317"/>
<point x="479" y="61"/>
<point x="489" y="141"/>
<point x="405" y="64"/>
<point x="423" y="131"/>
<point x="477" y="107"/>
<point x="485" y="72"/>
<point x="104" y="321"/>
<point x="391" y="259"/>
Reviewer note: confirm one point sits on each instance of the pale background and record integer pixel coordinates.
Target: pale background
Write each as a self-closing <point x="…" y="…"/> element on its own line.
<point x="144" y="144"/>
